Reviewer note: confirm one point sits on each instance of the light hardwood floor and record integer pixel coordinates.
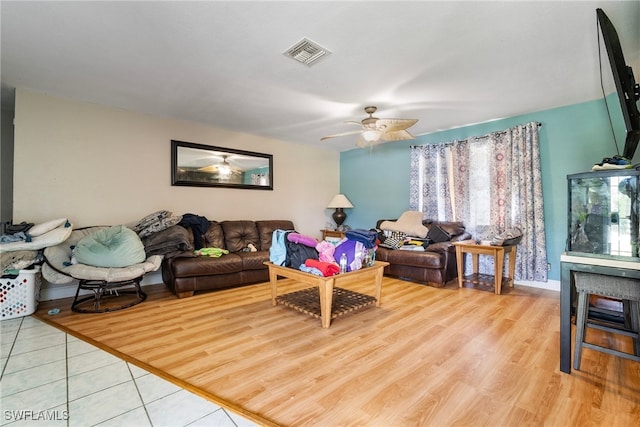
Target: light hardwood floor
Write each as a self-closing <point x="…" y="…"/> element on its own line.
<point x="426" y="357"/>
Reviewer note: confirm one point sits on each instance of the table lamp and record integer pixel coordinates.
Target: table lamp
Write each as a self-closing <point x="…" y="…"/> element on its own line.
<point x="339" y="202"/>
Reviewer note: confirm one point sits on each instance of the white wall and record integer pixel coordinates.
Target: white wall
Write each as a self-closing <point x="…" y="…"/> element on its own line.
<point x="103" y="166"/>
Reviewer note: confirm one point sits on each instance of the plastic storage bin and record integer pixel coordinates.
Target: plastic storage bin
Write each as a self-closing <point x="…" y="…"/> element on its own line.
<point x="19" y="296"/>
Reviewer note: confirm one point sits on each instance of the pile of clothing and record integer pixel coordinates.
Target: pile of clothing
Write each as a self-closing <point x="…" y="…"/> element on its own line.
<point x="21" y="247"/>
<point x="292" y="249"/>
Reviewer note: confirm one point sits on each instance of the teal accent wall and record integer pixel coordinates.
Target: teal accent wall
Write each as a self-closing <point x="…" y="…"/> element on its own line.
<point x="572" y="139"/>
<point x="246" y="175"/>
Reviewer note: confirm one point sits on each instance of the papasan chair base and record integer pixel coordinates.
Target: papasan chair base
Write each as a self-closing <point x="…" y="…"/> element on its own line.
<point x="102" y="290"/>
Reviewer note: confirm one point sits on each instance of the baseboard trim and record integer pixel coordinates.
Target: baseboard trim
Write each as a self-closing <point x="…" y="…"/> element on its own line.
<point x="552" y="285"/>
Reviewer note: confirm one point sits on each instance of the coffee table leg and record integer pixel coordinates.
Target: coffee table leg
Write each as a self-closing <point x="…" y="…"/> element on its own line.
<point x="273" y="279"/>
<point x="460" y="261"/>
<point x="326" y="301"/>
<point x="379" y="275"/>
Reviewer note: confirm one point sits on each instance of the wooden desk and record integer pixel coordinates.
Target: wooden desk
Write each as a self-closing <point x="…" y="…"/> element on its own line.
<point x="326" y="284"/>
<point x="569" y="264"/>
<point x="484" y="248"/>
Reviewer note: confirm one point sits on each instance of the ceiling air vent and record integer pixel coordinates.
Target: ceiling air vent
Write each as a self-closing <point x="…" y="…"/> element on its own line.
<point x="306" y="51"/>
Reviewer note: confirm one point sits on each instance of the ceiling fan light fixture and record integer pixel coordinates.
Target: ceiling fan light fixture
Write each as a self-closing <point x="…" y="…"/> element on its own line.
<point x="371" y="135"/>
<point x="224" y="169"/>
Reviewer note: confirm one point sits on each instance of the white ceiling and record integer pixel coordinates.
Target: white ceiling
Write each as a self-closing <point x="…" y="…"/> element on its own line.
<point x="446" y="63"/>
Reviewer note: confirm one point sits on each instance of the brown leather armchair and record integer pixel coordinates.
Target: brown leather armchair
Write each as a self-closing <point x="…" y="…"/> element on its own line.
<point x="435" y="266"/>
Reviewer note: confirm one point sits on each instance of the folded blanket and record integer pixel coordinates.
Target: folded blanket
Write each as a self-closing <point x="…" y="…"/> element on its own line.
<point x="17" y="260"/>
<point x="302" y="239"/>
<point x="327" y="268"/>
<point x="173" y="239"/>
<point x="311" y="270"/>
<point x="366" y="237"/>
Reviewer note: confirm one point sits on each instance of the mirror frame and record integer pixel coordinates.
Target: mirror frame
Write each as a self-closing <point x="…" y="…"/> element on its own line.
<point x="181" y="181"/>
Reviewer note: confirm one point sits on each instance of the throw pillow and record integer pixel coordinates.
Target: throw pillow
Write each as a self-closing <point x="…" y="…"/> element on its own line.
<point x="437" y="234"/>
<point x="150" y="220"/>
<point x="160" y="225"/>
<point x="45" y="227"/>
<point x="395" y="240"/>
<point x="410" y="222"/>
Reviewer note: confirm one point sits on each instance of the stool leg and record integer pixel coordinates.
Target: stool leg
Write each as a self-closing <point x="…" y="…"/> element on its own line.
<point x="626" y="313"/>
<point x="581" y="320"/>
<point x="634" y="311"/>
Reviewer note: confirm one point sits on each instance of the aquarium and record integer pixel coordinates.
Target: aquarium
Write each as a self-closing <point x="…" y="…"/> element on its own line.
<point x="603" y="214"/>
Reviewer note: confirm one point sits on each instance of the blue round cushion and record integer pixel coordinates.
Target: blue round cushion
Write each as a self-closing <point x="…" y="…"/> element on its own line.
<point x="115" y="246"/>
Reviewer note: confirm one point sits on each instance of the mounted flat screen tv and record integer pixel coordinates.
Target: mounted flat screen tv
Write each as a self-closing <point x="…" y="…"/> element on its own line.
<point x="626" y="90"/>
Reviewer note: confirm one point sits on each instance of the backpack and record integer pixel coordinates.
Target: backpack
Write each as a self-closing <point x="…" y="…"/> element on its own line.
<point x="298" y="253"/>
<point x="278" y="249"/>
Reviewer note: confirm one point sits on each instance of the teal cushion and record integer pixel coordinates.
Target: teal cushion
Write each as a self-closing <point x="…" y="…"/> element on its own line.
<point x="115" y="246"/>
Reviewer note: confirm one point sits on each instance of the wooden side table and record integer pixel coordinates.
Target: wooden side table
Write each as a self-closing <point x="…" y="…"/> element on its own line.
<point x="484" y="248"/>
<point x="332" y="233"/>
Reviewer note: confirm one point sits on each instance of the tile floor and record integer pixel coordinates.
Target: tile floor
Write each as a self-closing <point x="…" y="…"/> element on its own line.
<point x="50" y="378"/>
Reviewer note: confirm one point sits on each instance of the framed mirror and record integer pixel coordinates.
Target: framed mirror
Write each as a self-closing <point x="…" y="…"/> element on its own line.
<point x="202" y="165"/>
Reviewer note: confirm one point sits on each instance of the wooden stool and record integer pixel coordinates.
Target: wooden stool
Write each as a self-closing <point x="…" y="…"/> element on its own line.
<point x="628" y="290"/>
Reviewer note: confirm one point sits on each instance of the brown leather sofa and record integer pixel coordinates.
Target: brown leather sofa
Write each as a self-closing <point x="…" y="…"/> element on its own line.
<point x="184" y="273"/>
<point x="435" y="266"/>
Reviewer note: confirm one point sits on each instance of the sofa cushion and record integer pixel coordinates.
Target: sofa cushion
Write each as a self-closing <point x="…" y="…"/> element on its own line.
<point x="214" y="237"/>
<point x="266" y="229"/>
<point x="239" y="234"/>
<point x="206" y="266"/>
<point x="253" y="260"/>
<point x="416" y="259"/>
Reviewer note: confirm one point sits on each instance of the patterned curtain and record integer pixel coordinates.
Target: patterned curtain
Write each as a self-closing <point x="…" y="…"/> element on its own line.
<point x="491" y="183"/>
<point x="429" y="184"/>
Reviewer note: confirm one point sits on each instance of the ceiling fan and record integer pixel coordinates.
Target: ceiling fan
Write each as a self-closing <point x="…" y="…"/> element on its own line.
<point x="224" y="168"/>
<point x="374" y="130"/>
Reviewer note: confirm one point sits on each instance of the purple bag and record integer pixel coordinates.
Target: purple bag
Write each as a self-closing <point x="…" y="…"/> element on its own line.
<point x="302" y="239"/>
<point x="350" y="248"/>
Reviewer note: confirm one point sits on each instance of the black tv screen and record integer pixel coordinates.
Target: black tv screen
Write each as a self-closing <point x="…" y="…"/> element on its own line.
<point x="626" y="90"/>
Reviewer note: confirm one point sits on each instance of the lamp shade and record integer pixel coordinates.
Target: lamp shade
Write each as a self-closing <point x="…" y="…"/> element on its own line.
<point x="340" y="201"/>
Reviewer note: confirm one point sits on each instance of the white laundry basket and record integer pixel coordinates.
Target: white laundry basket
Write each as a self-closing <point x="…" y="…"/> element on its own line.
<point x="19" y="295"/>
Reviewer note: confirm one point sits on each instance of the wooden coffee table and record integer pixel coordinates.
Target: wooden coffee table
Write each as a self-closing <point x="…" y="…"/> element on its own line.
<point x="484" y="248"/>
<point x="323" y="289"/>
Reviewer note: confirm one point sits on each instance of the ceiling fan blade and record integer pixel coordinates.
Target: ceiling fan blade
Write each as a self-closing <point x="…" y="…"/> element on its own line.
<point x="399" y="135"/>
<point x="353" y="122"/>
<point x="393" y="125"/>
<point x="353" y="132"/>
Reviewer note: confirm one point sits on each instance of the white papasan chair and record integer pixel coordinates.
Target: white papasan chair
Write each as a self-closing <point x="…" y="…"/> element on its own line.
<point x="102" y="281"/>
